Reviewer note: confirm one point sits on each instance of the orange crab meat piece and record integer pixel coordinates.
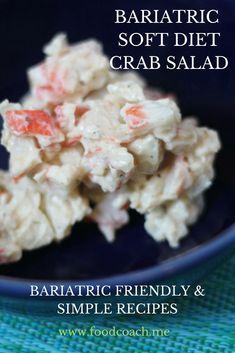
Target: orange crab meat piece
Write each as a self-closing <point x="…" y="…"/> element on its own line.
<point x="136" y="110"/>
<point x="135" y="117"/>
<point x="30" y="122"/>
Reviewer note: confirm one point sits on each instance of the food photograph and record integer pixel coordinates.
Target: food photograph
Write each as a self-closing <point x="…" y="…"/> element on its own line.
<point x="117" y="185"/>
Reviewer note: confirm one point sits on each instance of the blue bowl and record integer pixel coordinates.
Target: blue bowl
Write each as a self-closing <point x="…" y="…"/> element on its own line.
<point x="85" y="256"/>
<point x="134" y="258"/>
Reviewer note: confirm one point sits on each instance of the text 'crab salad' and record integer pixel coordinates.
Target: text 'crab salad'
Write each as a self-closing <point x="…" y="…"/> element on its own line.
<point x="85" y="135"/>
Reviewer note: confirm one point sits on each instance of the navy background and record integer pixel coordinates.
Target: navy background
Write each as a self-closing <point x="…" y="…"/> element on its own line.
<point x="25" y="26"/>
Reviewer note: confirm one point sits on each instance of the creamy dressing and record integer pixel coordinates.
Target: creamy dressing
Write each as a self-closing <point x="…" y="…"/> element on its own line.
<point x="84" y="136"/>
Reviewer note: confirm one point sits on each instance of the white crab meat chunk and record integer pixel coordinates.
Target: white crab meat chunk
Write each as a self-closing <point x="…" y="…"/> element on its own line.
<point x="30" y="218"/>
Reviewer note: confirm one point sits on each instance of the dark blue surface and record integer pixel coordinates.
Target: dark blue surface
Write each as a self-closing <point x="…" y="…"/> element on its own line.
<point x="134" y="257"/>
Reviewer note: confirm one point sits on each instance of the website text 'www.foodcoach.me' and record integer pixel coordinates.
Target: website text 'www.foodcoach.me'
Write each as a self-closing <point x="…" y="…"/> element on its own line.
<point x="115" y="331"/>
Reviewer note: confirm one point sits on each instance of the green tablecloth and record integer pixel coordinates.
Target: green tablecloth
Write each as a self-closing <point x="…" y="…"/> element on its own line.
<point x="203" y="325"/>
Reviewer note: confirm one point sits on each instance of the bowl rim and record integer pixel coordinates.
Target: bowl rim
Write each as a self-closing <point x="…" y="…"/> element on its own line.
<point x="20" y="287"/>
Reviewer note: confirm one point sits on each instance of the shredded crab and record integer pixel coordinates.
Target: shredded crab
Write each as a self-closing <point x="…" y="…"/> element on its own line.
<point x="89" y="142"/>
